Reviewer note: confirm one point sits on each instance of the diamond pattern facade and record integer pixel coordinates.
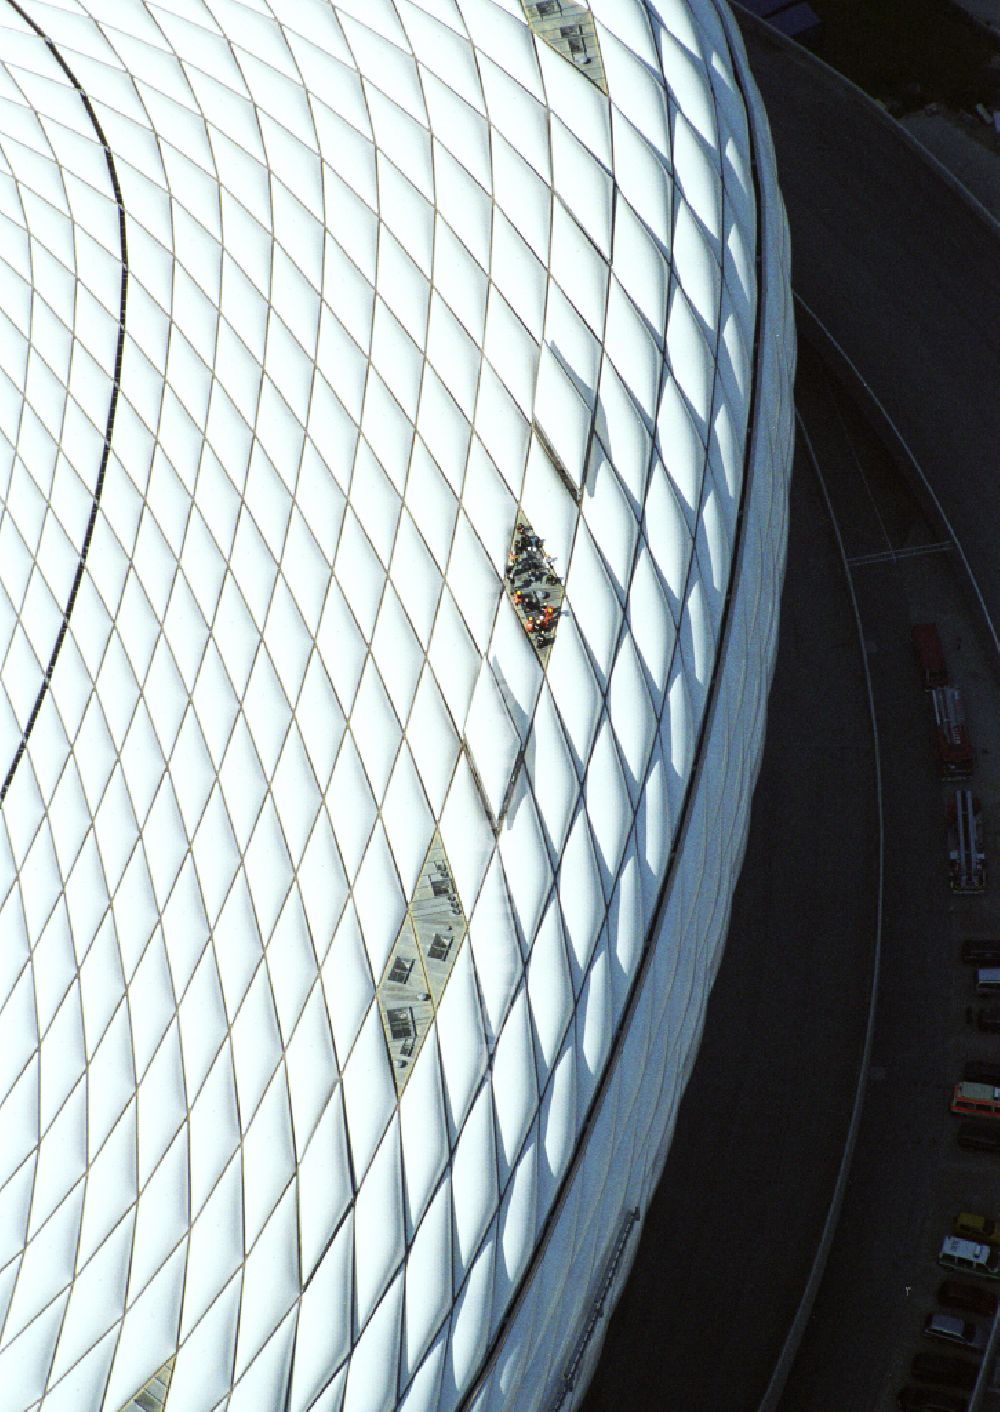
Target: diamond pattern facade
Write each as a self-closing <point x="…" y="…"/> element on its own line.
<point x="310" y="311"/>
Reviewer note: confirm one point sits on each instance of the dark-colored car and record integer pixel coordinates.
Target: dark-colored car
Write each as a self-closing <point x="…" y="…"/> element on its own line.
<point x="979" y="1137"/>
<point x="988" y="1019"/>
<point x="980" y="1071"/>
<point x="929" y="1399"/>
<point x="981" y="953"/>
<point x="956" y="1294"/>
<point x="939" y="1368"/>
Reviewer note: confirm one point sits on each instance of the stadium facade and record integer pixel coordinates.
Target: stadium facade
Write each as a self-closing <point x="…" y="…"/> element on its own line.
<point x="395" y="426"/>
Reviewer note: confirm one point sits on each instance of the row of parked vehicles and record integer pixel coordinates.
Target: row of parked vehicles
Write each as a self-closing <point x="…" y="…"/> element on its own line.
<point x="942" y="1379"/>
<point x="977" y="1095"/>
<point x="966" y="854"/>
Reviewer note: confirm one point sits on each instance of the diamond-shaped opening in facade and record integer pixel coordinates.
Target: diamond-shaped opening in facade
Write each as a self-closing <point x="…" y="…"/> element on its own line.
<point x="534" y="587"/>
<point x="421" y="961"/>
<point x="569" y="29"/>
<point x="152" y="1396"/>
<point x="556" y="461"/>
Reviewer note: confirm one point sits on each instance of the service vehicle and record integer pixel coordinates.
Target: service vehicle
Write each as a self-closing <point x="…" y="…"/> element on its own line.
<point x="953" y="1329"/>
<point x="966" y="857"/>
<point x="974" y="1227"/>
<point x="976" y="1100"/>
<point x="951" y="734"/>
<point x="979" y="1137"/>
<point x="969" y="1257"/>
<point x="956" y="1294"/>
<point x="930" y="655"/>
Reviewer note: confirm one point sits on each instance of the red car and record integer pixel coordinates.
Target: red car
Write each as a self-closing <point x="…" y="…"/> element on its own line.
<point x="956" y="1294"/>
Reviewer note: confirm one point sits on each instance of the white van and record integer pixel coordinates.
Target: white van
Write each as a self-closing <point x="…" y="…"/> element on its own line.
<point x="971" y="1257"/>
<point x="988" y="980"/>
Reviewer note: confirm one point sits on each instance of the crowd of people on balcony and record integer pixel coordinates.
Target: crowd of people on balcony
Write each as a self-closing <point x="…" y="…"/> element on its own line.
<point x="534" y="585"/>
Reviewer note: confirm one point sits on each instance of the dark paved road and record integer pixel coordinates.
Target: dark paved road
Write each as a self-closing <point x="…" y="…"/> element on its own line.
<point x="904" y="274"/>
<point x="731" y="1232"/>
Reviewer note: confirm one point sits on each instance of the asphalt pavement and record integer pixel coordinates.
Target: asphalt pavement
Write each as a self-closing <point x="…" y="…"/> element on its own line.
<point x="903" y="271"/>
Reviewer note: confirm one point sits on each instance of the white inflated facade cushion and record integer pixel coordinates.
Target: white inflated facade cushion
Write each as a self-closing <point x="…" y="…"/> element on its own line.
<point x="395" y="408"/>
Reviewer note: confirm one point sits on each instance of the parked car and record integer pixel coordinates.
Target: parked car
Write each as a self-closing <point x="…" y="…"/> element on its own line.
<point x="988" y="1019"/>
<point x="979" y="1137"/>
<point x="974" y="1227"/>
<point x="930" y="1399"/>
<point x="940" y="1368"/>
<point x="981" y="1071"/>
<point x="953" y="1329"/>
<point x="981" y="953"/>
<point x="956" y="1294"/>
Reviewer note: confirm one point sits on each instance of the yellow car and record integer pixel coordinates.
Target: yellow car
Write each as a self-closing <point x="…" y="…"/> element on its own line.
<point x="972" y="1227"/>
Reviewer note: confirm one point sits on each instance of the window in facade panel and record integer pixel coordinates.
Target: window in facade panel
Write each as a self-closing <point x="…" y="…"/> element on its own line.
<point x="421" y="961"/>
<point x="569" y="29"/>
